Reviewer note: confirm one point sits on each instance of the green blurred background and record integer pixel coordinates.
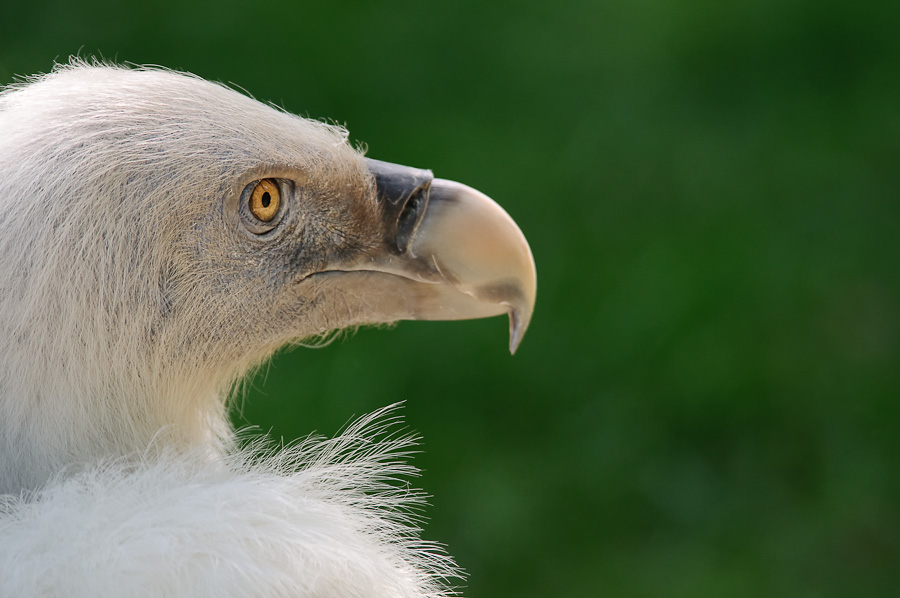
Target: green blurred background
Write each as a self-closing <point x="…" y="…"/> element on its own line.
<point x="707" y="402"/>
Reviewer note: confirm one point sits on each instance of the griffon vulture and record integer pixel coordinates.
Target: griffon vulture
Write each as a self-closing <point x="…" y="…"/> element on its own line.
<point x="160" y="236"/>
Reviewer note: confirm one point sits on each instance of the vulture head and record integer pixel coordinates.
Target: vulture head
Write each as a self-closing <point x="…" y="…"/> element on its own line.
<point x="161" y="235"/>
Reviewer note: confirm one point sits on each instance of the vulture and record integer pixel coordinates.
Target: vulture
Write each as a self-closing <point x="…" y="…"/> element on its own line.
<point x="160" y="237"/>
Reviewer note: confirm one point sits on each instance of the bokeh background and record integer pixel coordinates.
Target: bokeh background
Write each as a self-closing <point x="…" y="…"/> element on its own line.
<point x="708" y="401"/>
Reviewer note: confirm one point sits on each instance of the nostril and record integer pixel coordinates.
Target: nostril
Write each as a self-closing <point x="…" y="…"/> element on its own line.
<point x="409" y="218"/>
<point x="410" y="210"/>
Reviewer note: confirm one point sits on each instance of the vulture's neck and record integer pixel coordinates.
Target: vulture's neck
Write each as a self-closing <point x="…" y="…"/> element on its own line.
<point x="110" y="413"/>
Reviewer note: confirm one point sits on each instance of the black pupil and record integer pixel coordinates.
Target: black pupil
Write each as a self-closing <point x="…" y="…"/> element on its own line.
<point x="266" y="199"/>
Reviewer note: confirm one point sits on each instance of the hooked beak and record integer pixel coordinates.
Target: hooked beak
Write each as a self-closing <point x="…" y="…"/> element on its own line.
<point x="449" y="253"/>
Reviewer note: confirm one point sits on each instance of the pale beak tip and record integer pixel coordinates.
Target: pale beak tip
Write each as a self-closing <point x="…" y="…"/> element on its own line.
<point x="517" y="327"/>
<point x="514" y="336"/>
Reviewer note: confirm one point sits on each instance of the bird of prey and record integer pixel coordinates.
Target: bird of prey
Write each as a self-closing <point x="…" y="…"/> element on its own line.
<point x="160" y="237"/>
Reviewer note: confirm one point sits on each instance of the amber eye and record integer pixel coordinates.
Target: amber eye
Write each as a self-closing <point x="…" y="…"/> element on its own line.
<point x="265" y="200"/>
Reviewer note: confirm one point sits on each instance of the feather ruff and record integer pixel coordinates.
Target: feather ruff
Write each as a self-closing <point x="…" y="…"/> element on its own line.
<point x="321" y="518"/>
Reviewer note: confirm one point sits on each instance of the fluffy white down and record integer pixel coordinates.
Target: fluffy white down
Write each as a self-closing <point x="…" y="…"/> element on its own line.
<point x="323" y="518"/>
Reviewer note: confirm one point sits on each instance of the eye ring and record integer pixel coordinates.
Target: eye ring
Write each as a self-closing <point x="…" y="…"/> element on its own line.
<point x="262" y="205"/>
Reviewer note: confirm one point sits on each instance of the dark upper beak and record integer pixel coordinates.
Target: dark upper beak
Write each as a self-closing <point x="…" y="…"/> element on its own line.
<point x="403" y="192"/>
